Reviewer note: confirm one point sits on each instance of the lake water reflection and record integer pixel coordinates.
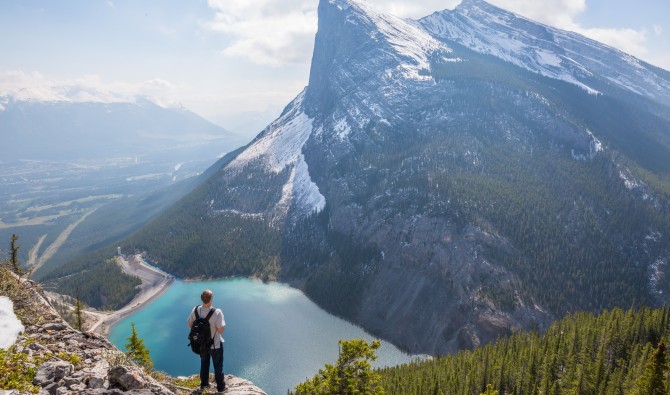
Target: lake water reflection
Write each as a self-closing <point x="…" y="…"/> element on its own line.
<point x="275" y="336"/>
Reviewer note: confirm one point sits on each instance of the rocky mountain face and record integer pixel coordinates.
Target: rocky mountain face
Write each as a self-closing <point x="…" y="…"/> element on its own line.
<point x="67" y="361"/>
<point x="547" y="51"/>
<point x="445" y="181"/>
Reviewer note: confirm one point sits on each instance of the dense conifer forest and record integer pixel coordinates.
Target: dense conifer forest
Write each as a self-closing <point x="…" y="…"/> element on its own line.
<point x="618" y="352"/>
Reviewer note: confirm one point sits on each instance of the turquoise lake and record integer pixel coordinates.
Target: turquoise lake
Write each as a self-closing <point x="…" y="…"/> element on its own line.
<point x="275" y="336"/>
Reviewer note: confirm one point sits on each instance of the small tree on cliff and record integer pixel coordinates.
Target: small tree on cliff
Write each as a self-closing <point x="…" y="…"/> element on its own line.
<point x="14" y="259"/>
<point x="136" y="350"/>
<point x="78" y="312"/>
<point x="351" y="374"/>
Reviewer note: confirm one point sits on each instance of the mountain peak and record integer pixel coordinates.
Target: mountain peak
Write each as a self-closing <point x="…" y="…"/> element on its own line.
<point x="350" y="32"/>
<point x="545" y="50"/>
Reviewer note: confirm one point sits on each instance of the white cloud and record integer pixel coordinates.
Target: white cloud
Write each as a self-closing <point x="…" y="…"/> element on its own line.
<point x="267" y="31"/>
<point x="10" y="326"/>
<point x="90" y="88"/>
<point x="630" y="41"/>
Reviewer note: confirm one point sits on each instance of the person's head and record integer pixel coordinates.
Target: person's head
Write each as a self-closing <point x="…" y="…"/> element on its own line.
<point x="206" y="296"/>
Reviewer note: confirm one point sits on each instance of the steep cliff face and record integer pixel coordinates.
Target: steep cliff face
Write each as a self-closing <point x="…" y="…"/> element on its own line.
<point x="440" y="191"/>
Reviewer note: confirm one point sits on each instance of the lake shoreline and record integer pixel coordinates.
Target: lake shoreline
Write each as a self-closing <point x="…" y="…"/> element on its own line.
<point x="155" y="283"/>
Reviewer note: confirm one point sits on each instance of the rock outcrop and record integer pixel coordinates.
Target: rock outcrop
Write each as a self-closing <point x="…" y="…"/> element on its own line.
<point x="68" y="361"/>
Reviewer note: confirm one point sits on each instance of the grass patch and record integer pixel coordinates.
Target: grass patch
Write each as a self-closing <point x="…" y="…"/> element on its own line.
<point x="17" y="371"/>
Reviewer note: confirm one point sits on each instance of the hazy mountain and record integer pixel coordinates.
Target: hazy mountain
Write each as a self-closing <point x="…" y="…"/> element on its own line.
<point x="38" y="130"/>
<point x="445" y="181"/>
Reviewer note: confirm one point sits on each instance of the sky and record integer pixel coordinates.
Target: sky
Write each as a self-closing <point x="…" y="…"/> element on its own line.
<point x="239" y="62"/>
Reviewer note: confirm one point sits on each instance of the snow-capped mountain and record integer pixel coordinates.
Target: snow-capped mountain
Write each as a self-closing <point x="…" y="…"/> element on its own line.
<point x="445" y="181"/>
<point x="545" y="50"/>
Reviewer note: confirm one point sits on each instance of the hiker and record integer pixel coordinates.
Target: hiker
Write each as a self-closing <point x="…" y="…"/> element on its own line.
<point x="216" y="325"/>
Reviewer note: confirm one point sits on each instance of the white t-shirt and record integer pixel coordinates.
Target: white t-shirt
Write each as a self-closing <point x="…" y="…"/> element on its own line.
<point x="215" y="321"/>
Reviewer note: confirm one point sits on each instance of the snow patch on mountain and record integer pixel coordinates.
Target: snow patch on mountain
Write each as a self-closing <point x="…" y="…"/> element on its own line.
<point x="279" y="146"/>
<point x="629" y="180"/>
<point x="10" y="326"/>
<point x="508" y="46"/>
<point x="301" y="190"/>
<point x="595" y="145"/>
<point x="281" y="142"/>
<point x="342" y="128"/>
<point x="656" y="270"/>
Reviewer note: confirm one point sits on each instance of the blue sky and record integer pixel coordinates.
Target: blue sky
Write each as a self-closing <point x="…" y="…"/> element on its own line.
<point x="238" y="62"/>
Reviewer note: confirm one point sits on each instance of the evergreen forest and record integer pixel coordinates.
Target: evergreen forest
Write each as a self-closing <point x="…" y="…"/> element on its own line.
<point x="615" y="353"/>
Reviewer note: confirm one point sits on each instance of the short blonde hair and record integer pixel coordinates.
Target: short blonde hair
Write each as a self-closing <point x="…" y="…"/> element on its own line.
<point x="206" y="296"/>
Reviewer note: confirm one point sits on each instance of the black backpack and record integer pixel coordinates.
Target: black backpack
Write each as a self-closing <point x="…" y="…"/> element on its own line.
<point x="200" y="337"/>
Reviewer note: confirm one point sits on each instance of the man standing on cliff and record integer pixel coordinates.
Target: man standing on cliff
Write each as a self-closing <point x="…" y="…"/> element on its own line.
<point x="216" y="324"/>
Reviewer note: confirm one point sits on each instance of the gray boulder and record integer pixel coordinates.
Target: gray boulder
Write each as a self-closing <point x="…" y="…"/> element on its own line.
<point x="50" y="372"/>
<point x="126" y="378"/>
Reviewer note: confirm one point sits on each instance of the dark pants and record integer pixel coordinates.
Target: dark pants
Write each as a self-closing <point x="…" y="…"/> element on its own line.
<point x="217" y="358"/>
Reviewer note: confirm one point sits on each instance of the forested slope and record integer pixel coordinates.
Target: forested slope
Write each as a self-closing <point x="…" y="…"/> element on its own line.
<point x="617" y="352"/>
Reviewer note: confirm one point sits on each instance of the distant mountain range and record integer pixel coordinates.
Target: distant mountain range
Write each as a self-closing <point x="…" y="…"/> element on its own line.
<point x="445" y="181"/>
<point x="72" y="153"/>
<point x="63" y="130"/>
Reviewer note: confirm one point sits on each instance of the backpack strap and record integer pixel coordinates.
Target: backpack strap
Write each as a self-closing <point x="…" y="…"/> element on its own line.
<point x="209" y="315"/>
<point x="195" y="309"/>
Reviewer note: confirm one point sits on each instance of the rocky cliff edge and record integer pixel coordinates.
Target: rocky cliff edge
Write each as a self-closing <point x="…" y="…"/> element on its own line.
<point x="59" y="360"/>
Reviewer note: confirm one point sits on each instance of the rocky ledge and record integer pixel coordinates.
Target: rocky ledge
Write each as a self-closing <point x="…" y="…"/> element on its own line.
<point x="67" y="361"/>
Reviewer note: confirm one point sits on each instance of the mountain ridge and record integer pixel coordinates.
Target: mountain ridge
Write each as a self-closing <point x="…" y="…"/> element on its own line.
<point x="549" y="51"/>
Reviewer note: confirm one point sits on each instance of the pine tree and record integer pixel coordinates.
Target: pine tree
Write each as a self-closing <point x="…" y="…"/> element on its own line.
<point x="14" y="260"/>
<point x="351" y="374"/>
<point x="136" y="350"/>
<point x="652" y="382"/>
<point x="78" y="312"/>
<point x="489" y="390"/>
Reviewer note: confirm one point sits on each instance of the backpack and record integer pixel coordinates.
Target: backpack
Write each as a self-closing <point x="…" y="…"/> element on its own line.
<point x="200" y="337"/>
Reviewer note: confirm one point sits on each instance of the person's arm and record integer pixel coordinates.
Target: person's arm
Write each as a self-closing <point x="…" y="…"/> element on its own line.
<point x="191" y="318"/>
<point x="220" y="323"/>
